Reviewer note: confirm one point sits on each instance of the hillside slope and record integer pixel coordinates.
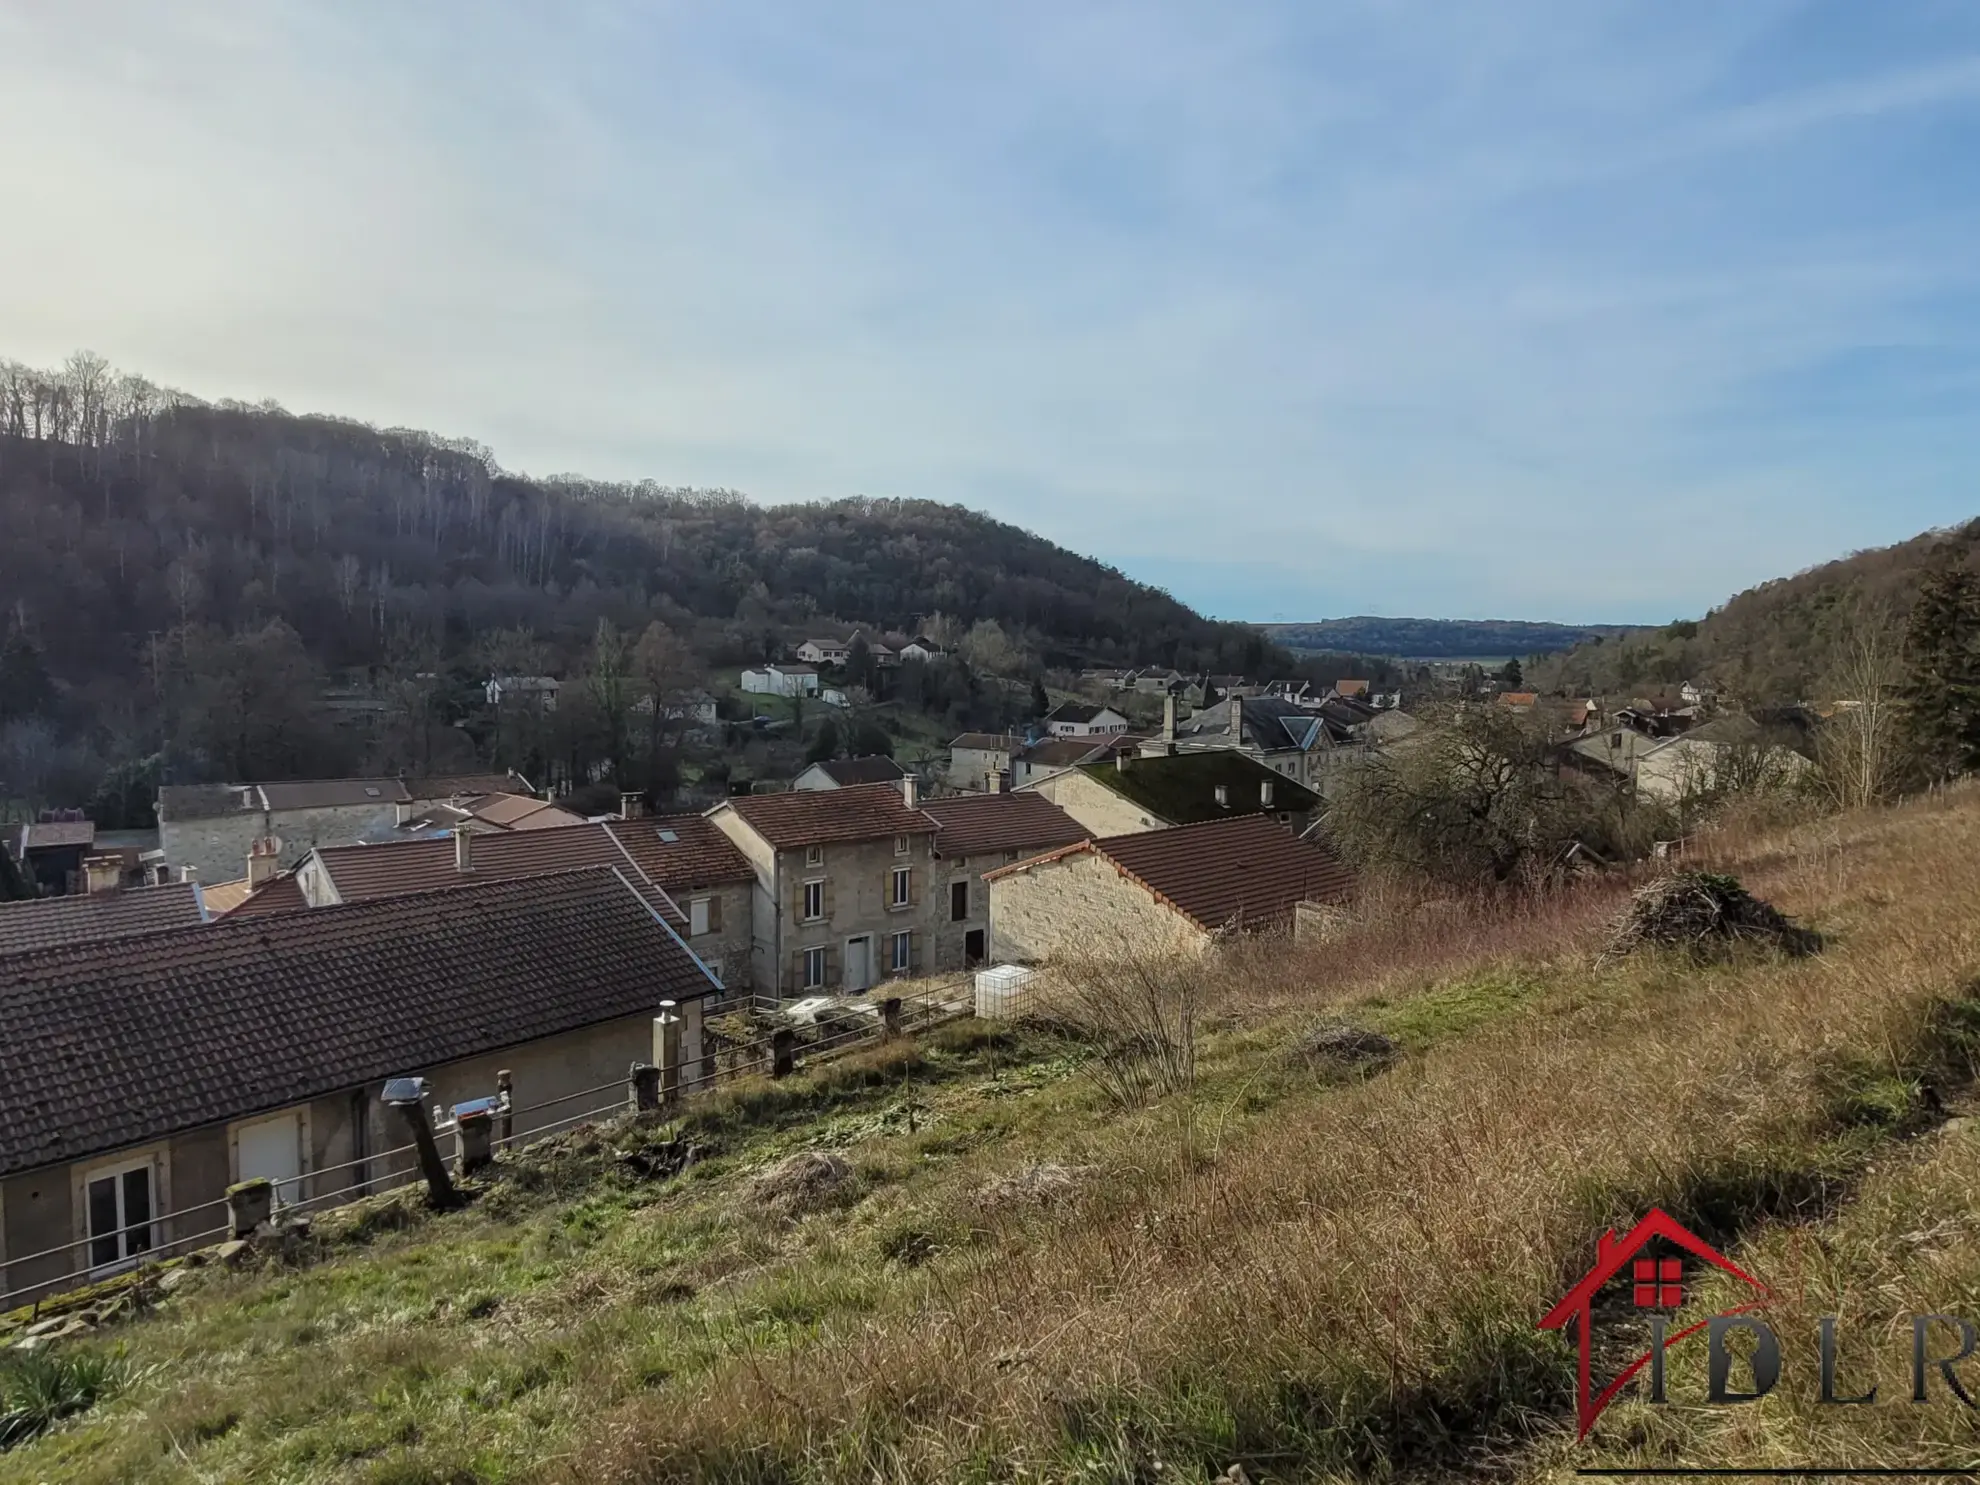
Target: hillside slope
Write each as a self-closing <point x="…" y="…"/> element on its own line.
<point x="1319" y="1270"/>
<point x="131" y="513"/>
<point x="1439" y="639"/>
<point x="1776" y="643"/>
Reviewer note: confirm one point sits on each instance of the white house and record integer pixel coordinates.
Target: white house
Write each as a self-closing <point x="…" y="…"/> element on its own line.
<point x="1077" y="719"/>
<point x="534" y="690"/>
<point x="781" y="680"/>
<point x="823" y="652"/>
<point x="921" y="647"/>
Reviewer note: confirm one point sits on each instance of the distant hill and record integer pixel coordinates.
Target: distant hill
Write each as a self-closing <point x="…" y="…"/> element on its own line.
<point x="1778" y="642"/>
<point x="1439" y="639"/>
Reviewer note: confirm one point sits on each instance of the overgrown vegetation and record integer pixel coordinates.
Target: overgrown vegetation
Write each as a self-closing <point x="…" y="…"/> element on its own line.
<point x="1319" y="1272"/>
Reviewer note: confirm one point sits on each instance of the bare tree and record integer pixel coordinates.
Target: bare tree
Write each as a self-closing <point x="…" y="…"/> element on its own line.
<point x="1858" y="751"/>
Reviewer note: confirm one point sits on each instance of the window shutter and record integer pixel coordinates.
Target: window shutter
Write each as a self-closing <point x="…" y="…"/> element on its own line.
<point x="825" y="895"/>
<point x="796" y="981"/>
<point x="715" y="913"/>
<point x="914" y="886"/>
<point x="831" y="964"/>
<point x="916" y="942"/>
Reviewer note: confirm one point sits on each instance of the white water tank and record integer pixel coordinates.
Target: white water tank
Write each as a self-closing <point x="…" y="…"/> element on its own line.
<point x="1001" y="992"/>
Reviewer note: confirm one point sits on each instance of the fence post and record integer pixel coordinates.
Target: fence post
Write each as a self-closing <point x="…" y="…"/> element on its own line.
<point x="249" y="1204"/>
<point x="783" y="1053"/>
<point x="407" y="1095"/>
<point x="890" y="1016"/>
<point x="645" y="1081"/>
<point x="473" y="1132"/>
<point x="667" y="1051"/>
<point x="505" y="1089"/>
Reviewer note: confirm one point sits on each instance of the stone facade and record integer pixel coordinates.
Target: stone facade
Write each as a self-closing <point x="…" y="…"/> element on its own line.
<point x="190" y="1171"/>
<point x="1095" y="806"/>
<point x="217" y="847"/>
<point x="1080" y="903"/>
<point x="726" y="947"/>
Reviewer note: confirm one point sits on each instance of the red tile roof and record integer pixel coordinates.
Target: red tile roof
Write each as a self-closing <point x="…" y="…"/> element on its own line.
<point x="812" y="817"/>
<point x="110" y="1046"/>
<point x="44" y="922"/>
<point x="1249" y="871"/>
<point x="282" y="895"/>
<point x="875" y="768"/>
<point x="983" y="824"/>
<point x="699" y="855"/>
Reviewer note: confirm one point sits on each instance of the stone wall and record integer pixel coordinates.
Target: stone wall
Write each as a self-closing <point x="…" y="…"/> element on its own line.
<point x="1096" y="807"/>
<point x="858" y="879"/>
<point x="1080" y="904"/>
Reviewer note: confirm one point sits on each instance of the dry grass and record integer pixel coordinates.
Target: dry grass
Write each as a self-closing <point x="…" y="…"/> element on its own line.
<point x="1327" y="1278"/>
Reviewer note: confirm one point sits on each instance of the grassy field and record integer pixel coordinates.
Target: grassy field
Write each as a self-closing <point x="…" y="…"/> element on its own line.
<point x="1324" y="1274"/>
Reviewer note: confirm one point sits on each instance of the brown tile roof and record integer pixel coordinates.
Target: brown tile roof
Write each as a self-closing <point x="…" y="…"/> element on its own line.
<point x="698" y="856"/>
<point x="282" y="895"/>
<point x="519" y="812"/>
<point x="1518" y="698"/>
<point x="1064" y="752"/>
<point x="875" y="769"/>
<point x="54" y="834"/>
<point x="980" y="824"/>
<point x="1250" y="871"/>
<point x="44" y="922"/>
<point x="812" y="817"/>
<point x="323" y="794"/>
<point x="110" y="1047"/>
<point x="222" y="898"/>
<point x="1351" y="688"/>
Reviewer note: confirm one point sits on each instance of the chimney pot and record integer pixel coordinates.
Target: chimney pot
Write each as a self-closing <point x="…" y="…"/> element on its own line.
<point x="911" y="791"/>
<point x="1265" y="794"/>
<point x="262" y="862"/>
<point x="1120" y="762"/>
<point x="463" y="849"/>
<point x="1223" y="796"/>
<point x="189" y="873"/>
<point x="1237" y="716"/>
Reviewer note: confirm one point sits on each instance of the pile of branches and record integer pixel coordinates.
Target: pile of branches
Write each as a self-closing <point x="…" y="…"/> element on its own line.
<point x="1706" y="915"/>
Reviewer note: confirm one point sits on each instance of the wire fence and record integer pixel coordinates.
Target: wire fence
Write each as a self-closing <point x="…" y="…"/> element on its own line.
<point x="132" y="1252"/>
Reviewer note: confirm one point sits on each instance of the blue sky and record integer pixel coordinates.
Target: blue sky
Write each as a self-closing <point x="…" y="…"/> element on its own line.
<point x="1554" y="309"/>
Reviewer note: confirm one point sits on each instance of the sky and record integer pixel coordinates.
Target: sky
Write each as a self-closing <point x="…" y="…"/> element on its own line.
<point x="1578" y="310"/>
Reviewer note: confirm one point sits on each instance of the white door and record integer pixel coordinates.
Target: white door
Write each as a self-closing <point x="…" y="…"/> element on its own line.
<point x="272" y="1148"/>
<point x="859" y="964"/>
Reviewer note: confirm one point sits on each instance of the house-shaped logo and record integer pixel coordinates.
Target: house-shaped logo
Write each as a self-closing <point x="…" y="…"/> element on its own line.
<point x="1656" y="1280"/>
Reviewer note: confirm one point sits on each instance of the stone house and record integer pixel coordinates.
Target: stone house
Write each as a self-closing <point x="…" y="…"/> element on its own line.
<point x="979" y="833"/>
<point x="1080" y="719"/>
<point x="1159" y="891"/>
<point x="52" y="850"/>
<point x="980" y="761"/>
<point x="1160" y="792"/>
<point x="538" y="692"/>
<point x="839" y="773"/>
<point x="781" y="680"/>
<point x="1155" y="682"/>
<point x="140" y="1079"/>
<point x="845" y="885"/>
<point x="689" y="871"/>
<point x="211" y="827"/>
<point x="1052" y="755"/>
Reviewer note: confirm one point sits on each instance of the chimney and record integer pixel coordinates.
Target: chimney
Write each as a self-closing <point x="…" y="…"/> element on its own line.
<point x="1169" y="720"/>
<point x="1000" y="781"/>
<point x="103" y="873"/>
<point x="189" y="873"/>
<point x="463" y="849"/>
<point x="632" y="806"/>
<point x="910" y="791"/>
<point x="402" y="812"/>
<point x="1121" y="761"/>
<point x="262" y="862"/>
<point x="1265" y="794"/>
<point x="1237" y="716"/>
<point x="1223" y="796"/>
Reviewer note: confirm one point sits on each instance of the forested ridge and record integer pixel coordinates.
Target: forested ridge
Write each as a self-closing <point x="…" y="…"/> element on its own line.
<point x="1438" y="639"/>
<point x="1792" y="639"/>
<point x="177" y="574"/>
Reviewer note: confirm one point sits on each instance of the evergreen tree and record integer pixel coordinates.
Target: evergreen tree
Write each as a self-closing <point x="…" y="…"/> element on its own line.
<point x="1510" y="675"/>
<point x="1940" y="689"/>
<point x="825" y="746"/>
<point x="859" y="662"/>
<point x="1041" y="703"/>
<point x="25" y="689"/>
<point x="870" y="739"/>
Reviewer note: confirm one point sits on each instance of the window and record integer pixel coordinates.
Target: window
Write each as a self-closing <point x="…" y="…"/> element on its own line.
<point x="901" y="893"/>
<point x="814" y="901"/>
<point x="1659" y="1283"/>
<point x="958" y="901"/>
<point x="814" y="969"/>
<point x="814" y="855"/>
<point x="715" y="968"/>
<point x="900" y="845"/>
<point x="900" y="952"/>
<point x="700" y="919"/>
<point x="119" y="1206"/>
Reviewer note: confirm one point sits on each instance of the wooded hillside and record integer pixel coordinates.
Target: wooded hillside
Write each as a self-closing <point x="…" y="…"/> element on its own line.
<point x="1781" y="642"/>
<point x="155" y="541"/>
<point x="1438" y="639"/>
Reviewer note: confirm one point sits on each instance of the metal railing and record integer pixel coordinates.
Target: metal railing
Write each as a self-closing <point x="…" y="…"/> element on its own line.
<point x="918" y="1012"/>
